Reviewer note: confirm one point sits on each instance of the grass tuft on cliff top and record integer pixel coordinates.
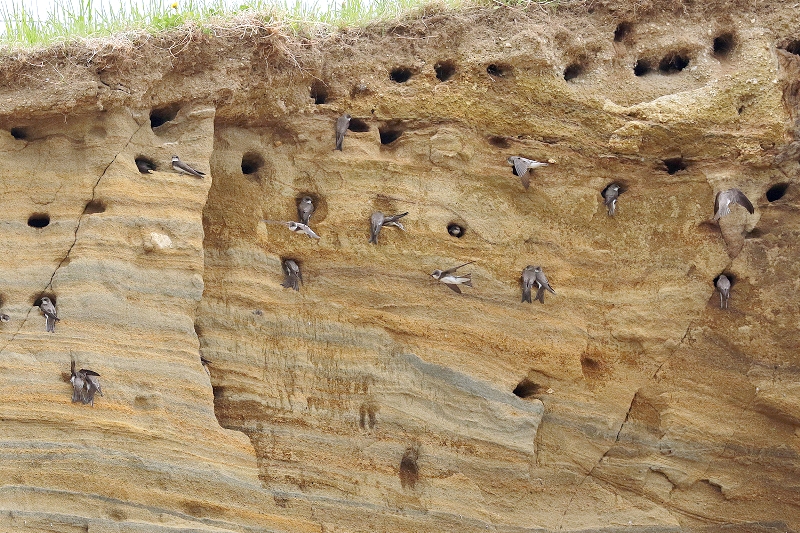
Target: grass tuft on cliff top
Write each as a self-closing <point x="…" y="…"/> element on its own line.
<point x="77" y="19"/>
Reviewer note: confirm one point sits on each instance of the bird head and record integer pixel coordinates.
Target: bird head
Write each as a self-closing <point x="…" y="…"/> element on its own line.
<point x="293" y="225"/>
<point x="175" y="158"/>
<point x="437" y="274"/>
<point x="45" y="300"/>
<point x="306" y="200"/>
<point x="537" y="269"/>
<point x="347" y="116"/>
<point x="4" y="318"/>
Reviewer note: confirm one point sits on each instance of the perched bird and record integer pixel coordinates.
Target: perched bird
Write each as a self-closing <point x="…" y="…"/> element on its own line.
<point x="49" y="310"/>
<point x="451" y="279"/>
<point x="293" y="275"/>
<point x="297" y="227"/>
<point x="541" y="281"/>
<point x="180" y="166"/>
<point x="610" y="196"/>
<point x="4" y="317"/>
<point x="521" y="167"/>
<point x="145" y="166"/>
<point x="378" y="220"/>
<point x="528" y="279"/>
<point x="85" y="384"/>
<point x="726" y="198"/>
<point x="342" y="123"/>
<point x="305" y="209"/>
<point x="205" y="362"/>
<point x="724" y="288"/>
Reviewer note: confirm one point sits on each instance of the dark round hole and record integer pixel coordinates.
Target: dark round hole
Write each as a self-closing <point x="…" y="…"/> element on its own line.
<point x="358" y="125"/>
<point x="499" y="141"/>
<point x="161" y="115"/>
<point x="776" y="192"/>
<point x="622" y="31"/>
<point x="319" y="93"/>
<point x="19" y="134"/>
<point x="642" y="67"/>
<point x="675" y="164"/>
<point x="723" y="45"/>
<point x="251" y="163"/>
<point x="498" y="70"/>
<point x="456" y="230"/>
<point x="527" y="388"/>
<point x="400" y="74"/>
<point x="444" y="70"/>
<point x="573" y="71"/>
<point x="673" y="62"/>
<point x="39" y="220"/>
<point x="94" y="207"/>
<point x="793" y="47"/>
<point x="390" y="133"/>
<point x="145" y="164"/>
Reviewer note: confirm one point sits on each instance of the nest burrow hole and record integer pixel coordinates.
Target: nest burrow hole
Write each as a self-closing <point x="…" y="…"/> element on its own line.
<point x="39" y="220"/>
<point x="409" y="470"/>
<point x="400" y="74"/>
<point x="319" y="92"/>
<point x="673" y="62"/>
<point x="776" y="192"/>
<point x="456" y="230"/>
<point x="444" y="70"/>
<point x="499" y="141"/>
<point x="390" y="133"/>
<point x="162" y="115"/>
<point x="723" y="45"/>
<point x="675" y="164"/>
<point x="642" y="67"/>
<point x="145" y="164"/>
<point x="622" y="31"/>
<point x="94" y="207"/>
<point x="498" y="70"/>
<point x="573" y="70"/>
<point x="793" y="47"/>
<point x="527" y="388"/>
<point x="251" y="163"/>
<point x="358" y="125"/>
<point x="19" y="133"/>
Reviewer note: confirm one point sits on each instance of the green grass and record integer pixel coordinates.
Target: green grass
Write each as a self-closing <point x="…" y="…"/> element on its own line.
<point x="74" y="19"/>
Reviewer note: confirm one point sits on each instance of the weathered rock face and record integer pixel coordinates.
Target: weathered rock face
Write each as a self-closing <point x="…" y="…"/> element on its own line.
<point x="375" y="399"/>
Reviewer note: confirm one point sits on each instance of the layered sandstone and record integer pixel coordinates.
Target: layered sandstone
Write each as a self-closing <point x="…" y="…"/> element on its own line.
<point x="375" y="399"/>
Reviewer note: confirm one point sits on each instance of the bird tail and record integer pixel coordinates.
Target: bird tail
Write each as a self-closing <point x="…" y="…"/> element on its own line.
<point x="540" y="294"/>
<point x="468" y="283"/>
<point x="339" y="140"/>
<point x="526" y="294"/>
<point x="50" y="324"/>
<point x="373" y="239"/>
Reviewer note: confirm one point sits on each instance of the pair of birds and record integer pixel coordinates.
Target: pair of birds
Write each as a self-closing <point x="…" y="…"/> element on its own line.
<point x="304" y="211"/>
<point x="85" y="384"/>
<point x="531" y="275"/>
<point x="146" y="167"/>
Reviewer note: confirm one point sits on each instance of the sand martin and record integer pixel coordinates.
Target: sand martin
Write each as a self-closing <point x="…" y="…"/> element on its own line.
<point x="49" y="312"/>
<point x="724" y="288"/>
<point x="726" y="198"/>
<point x="305" y="209"/>
<point x="378" y="220"/>
<point x="528" y="279"/>
<point x="451" y="279"/>
<point x="293" y="275"/>
<point x="342" y="123"/>
<point x="144" y="166"/>
<point x="4" y="317"/>
<point x="297" y="227"/>
<point x="85" y="384"/>
<point x="521" y="166"/>
<point x="204" y="363"/>
<point x="610" y="196"/>
<point x="182" y="167"/>
<point x="541" y="281"/>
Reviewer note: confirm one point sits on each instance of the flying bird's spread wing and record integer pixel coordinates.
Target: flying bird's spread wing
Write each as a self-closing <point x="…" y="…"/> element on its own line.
<point x="454" y="287"/>
<point x="739" y="197"/>
<point x="308" y="231"/>
<point x="450" y="271"/>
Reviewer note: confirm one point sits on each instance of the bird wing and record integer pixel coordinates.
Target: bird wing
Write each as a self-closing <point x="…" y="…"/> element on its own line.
<point x="739" y="197"/>
<point x="520" y="166"/>
<point x="450" y="271"/>
<point x="309" y="232"/>
<point x="396" y="224"/>
<point x="183" y="166"/>
<point x="716" y="204"/>
<point x="454" y="287"/>
<point x="393" y="218"/>
<point x="89" y="372"/>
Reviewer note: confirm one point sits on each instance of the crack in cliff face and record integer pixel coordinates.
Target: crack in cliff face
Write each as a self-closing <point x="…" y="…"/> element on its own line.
<point x="75" y="237"/>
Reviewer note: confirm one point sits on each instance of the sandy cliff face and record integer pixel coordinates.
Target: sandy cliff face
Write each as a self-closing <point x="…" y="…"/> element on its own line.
<point x="375" y="399"/>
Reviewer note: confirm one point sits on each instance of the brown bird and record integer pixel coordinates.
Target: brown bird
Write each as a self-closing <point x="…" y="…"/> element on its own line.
<point x="522" y="165"/>
<point x="49" y="312"/>
<point x="451" y="279"/>
<point x="293" y="275"/>
<point x="305" y="209"/>
<point x="378" y="220"/>
<point x="342" y="123"/>
<point x="732" y="196"/>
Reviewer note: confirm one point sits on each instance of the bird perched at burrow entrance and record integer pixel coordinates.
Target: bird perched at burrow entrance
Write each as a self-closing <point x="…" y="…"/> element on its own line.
<point x="521" y="167"/>
<point x="183" y="168"/>
<point x="528" y="281"/>
<point x="297" y="227"/>
<point x="305" y="209"/>
<point x="145" y="166"/>
<point x="293" y="276"/>
<point x="204" y="363"/>
<point x="732" y="196"/>
<point x="85" y="384"/>
<point x="453" y="280"/>
<point x="4" y="317"/>
<point x="541" y="281"/>
<point x="724" y="288"/>
<point x="342" y="123"/>
<point x="610" y="195"/>
<point x="49" y="311"/>
<point x="379" y="220"/>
